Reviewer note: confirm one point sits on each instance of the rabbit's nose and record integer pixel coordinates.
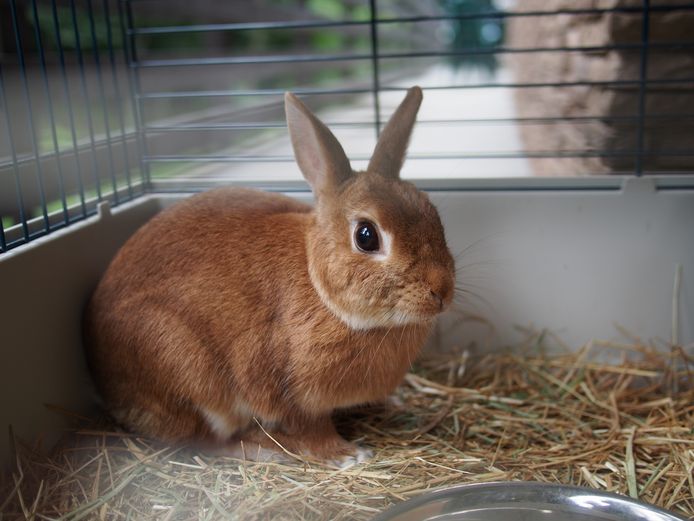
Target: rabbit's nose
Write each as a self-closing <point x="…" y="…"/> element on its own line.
<point x="440" y="286"/>
<point x="437" y="298"/>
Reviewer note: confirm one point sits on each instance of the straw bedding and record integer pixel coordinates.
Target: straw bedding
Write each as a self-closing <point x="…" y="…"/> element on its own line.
<point x="626" y="427"/>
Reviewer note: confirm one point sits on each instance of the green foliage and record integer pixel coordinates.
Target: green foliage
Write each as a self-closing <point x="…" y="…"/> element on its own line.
<point x="66" y="27"/>
<point x="327" y="76"/>
<point x="169" y="170"/>
<point x="173" y="41"/>
<point x="331" y="9"/>
<point x="81" y="26"/>
<point x="259" y="41"/>
<point x="328" y="41"/>
<point x="7" y="222"/>
<point x="240" y="41"/>
<point x="63" y="136"/>
<point x="361" y="12"/>
<point x="57" y="205"/>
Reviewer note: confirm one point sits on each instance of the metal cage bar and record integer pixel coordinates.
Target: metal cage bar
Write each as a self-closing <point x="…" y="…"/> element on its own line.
<point x="15" y="169"/>
<point x="129" y="57"/>
<point x="376" y="86"/>
<point x="77" y="137"/>
<point x="104" y="108"/>
<point x="130" y="46"/>
<point x="119" y="101"/>
<point x="70" y="112"/>
<point x="29" y="115"/>
<point x="643" y="74"/>
<point x="51" y="114"/>
<point x="87" y="98"/>
<point x="310" y="24"/>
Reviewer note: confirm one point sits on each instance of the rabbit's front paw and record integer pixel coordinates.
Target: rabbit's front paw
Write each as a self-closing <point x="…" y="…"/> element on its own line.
<point x="360" y="455"/>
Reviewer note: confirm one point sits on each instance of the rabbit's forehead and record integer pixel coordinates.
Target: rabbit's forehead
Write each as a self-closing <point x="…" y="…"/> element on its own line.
<point x="391" y="203"/>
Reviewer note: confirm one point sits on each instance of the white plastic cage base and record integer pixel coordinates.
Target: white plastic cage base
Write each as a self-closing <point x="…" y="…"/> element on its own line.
<point x="574" y="261"/>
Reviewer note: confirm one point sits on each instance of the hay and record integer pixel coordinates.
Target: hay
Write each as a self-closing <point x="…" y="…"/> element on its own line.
<point x="521" y="415"/>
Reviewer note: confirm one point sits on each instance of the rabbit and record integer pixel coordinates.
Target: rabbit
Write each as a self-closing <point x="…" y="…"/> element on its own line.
<point x="241" y="315"/>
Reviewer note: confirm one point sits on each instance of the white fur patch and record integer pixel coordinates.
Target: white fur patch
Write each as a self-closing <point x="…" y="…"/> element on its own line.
<point x="240" y="416"/>
<point x="218" y="423"/>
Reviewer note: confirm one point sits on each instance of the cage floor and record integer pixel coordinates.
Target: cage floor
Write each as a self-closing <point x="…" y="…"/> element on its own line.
<point x="520" y="415"/>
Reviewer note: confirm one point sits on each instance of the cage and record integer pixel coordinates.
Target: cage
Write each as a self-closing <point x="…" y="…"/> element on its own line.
<point x="555" y="139"/>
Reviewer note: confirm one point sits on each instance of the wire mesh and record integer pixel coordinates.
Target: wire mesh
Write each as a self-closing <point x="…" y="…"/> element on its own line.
<point x="64" y="117"/>
<point x="109" y="99"/>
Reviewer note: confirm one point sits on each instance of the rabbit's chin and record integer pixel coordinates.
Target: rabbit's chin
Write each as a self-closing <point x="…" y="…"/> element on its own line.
<point x="392" y="318"/>
<point x="372" y="319"/>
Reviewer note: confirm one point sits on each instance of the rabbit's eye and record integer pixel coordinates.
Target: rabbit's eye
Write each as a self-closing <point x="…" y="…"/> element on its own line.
<point x="366" y="237"/>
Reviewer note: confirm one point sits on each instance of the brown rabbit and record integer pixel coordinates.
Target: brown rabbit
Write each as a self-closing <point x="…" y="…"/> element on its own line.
<point x="237" y="308"/>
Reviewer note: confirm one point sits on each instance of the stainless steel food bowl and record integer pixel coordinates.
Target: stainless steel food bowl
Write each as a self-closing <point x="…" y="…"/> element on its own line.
<point x="511" y="501"/>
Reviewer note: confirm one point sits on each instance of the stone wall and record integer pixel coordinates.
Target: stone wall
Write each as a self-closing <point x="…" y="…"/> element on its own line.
<point x="661" y="135"/>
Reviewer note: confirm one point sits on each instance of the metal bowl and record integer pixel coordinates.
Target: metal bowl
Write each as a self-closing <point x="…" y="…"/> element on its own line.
<point x="523" y="501"/>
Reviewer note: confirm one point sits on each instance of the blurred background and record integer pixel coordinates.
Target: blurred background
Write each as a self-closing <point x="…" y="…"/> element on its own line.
<point x="106" y="99"/>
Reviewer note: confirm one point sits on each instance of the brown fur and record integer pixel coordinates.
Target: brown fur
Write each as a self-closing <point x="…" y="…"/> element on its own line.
<point x="210" y="309"/>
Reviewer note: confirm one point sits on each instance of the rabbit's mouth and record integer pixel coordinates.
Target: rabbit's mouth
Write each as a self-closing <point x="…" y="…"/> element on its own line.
<point x="402" y="317"/>
<point x="426" y="311"/>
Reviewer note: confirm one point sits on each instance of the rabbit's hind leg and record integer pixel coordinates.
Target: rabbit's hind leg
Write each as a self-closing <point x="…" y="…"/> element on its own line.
<point x="159" y="379"/>
<point x="159" y="420"/>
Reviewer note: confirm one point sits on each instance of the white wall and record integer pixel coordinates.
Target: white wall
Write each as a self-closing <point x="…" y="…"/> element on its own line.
<point x="575" y="262"/>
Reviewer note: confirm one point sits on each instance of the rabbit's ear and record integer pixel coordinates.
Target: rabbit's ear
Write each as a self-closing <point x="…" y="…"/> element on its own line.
<point x="389" y="154"/>
<point x="320" y="157"/>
